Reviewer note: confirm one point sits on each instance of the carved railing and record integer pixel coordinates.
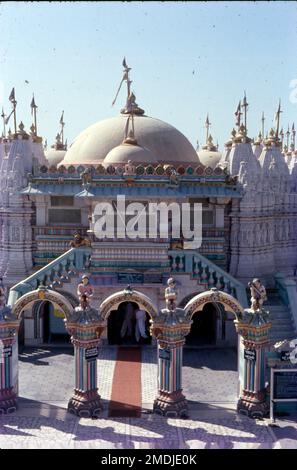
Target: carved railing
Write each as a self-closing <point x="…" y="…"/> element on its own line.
<point x="53" y="274"/>
<point x="207" y="273"/>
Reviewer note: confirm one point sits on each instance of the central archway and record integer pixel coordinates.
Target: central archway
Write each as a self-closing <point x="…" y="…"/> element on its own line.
<point x="114" y="300"/>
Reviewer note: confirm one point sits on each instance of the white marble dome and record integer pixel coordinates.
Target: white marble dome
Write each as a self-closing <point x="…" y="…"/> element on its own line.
<point x="165" y="143"/>
<point x="54" y="156"/>
<point x="209" y="158"/>
<point x="125" y="152"/>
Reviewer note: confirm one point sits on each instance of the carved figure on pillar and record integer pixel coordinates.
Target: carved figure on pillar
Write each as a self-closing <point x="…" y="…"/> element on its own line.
<point x="171" y="294"/>
<point x="258" y="294"/>
<point x="85" y="291"/>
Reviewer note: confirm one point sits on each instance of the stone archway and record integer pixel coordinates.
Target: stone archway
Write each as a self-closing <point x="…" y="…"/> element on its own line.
<point x="28" y="300"/>
<point x="114" y="300"/>
<point x="214" y="296"/>
<point x="221" y="302"/>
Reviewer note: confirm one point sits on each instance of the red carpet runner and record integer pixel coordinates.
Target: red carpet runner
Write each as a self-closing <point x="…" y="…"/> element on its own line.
<point x="126" y="385"/>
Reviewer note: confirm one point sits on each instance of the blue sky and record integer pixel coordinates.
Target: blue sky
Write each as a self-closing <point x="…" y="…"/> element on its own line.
<point x="187" y="59"/>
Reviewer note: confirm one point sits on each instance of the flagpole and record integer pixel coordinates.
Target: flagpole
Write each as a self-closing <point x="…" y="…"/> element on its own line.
<point x="14" y="116"/>
<point x="35" y="121"/>
<point x="4" y="125"/>
<point x="288" y="136"/>
<point x="263" y="121"/>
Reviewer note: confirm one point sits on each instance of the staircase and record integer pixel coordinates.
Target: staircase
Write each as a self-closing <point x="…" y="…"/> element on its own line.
<point x="54" y="274"/>
<point x="281" y="318"/>
<point x="204" y="272"/>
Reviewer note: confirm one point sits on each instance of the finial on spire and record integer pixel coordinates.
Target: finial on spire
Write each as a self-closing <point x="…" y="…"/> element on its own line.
<point x="33" y="112"/>
<point x="62" y="124"/>
<point x="131" y="99"/>
<point x="238" y="114"/>
<point x="263" y="124"/>
<point x="282" y="136"/>
<point x="288" y="136"/>
<point x="293" y="136"/>
<point x="245" y="107"/>
<point x="277" y="119"/>
<point x="207" y="126"/>
<point x="3" y="115"/>
<point x="13" y="112"/>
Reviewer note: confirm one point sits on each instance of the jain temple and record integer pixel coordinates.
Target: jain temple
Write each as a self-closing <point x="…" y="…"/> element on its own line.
<point x="48" y="240"/>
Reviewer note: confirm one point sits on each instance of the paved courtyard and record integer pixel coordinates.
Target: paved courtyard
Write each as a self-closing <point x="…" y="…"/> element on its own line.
<point x="210" y="385"/>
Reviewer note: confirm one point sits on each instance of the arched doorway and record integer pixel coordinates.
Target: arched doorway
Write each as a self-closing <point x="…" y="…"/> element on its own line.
<point x="42" y="315"/>
<point x="204" y="327"/>
<point x="122" y="326"/>
<point x="53" y="329"/>
<point x="114" y="310"/>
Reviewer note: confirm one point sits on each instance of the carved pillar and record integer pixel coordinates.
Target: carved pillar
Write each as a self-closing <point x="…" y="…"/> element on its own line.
<point x="170" y="329"/>
<point x="85" y="328"/>
<point x="254" y="329"/>
<point x="8" y="361"/>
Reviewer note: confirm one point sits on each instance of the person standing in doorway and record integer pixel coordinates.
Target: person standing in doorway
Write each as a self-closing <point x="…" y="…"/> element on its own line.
<point x="140" y="325"/>
<point x="127" y="326"/>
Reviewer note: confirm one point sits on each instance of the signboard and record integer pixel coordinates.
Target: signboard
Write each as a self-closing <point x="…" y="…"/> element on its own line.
<point x="164" y="354"/>
<point x="285" y="355"/>
<point x="91" y="353"/>
<point x="153" y="278"/>
<point x="139" y="278"/>
<point x="285" y="384"/>
<point x="250" y="354"/>
<point x="130" y="278"/>
<point x="6" y="351"/>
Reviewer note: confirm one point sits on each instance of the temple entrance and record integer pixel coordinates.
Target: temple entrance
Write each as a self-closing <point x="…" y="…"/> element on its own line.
<point x="53" y="326"/>
<point x="204" y="328"/>
<point x="128" y="325"/>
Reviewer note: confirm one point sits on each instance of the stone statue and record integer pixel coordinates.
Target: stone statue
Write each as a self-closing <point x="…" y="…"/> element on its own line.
<point x="258" y="294"/>
<point x="2" y="294"/>
<point x="129" y="169"/>
<point x="85" y="291"/>
<point x="171" y="294"/>
<point x="86" y="177"/>
<point x="79" y="241"/>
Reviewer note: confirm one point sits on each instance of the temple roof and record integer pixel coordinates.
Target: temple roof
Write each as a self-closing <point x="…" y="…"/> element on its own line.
<point x="165" y="142"/>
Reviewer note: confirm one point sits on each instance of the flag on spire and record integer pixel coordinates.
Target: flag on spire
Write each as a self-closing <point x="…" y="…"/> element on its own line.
<point x="238" y="114"/>
<point x="33" y="105"/>
<point x="61" y="119"/>
<point x="124" y="63"/>
<point x="12" y="95"/>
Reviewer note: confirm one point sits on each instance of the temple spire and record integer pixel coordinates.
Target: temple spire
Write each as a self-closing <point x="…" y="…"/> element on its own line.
<point x="33" y="112"/>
